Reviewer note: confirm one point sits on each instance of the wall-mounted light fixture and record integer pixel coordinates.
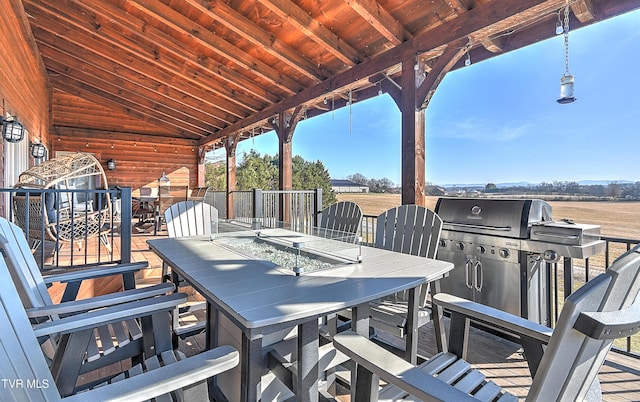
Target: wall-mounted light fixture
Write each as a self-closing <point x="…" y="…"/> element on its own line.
<point x="12" y="130"/>
<point x="38" y="150"/>
<point x="111" y="164"/>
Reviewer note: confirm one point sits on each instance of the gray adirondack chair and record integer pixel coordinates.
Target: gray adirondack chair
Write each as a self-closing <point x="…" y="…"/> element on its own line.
<point x="408" y="229"/>
<point x="343" y="217"/>
<point x="74" y="354"/>
<point x="564" y="362"/>
<point x="188" y="218"/>
<point x="26" y="377"/>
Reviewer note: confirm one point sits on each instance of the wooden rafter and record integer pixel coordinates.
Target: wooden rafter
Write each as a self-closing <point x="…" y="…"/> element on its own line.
<point x="301" y="20"/>
<point x="81" y="39"/>
<point x="237" y="23"/>
<point x="182" y="24"/>
<point x="89" y="93"/>
<point x="381" y="20"/>
<point x="104" y="80"/>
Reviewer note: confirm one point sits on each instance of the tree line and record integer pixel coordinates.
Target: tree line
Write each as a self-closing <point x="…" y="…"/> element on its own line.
<point x="613" y="189"/>
<point x="261" y="171"/>
<point x="383" y="185"/>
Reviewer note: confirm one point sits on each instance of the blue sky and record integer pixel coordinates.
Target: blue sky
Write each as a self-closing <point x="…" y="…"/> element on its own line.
<point x="497" y="120"/>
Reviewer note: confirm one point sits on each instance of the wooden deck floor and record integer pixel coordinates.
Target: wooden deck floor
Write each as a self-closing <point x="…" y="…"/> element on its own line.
<point x="499" y="359"/>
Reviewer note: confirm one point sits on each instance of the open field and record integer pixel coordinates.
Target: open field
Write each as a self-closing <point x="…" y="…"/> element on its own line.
<point x="617" y="218"/>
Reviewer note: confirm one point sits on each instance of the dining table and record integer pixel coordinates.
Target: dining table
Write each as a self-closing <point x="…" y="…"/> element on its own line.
<point x="260" y="297"/>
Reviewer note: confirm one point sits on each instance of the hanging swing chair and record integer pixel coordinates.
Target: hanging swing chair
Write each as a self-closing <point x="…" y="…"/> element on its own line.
<point x="66" y="217"/>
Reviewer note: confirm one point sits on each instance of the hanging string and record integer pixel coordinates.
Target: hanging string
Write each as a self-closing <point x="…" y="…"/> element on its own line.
<point x="566" y="39"/>
<point x="333" y="109"/>
<point x="350" y="111"/>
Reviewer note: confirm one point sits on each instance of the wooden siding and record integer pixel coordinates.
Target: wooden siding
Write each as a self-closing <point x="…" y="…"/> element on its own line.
<point x="140" y="159"/>
<point x="24" y="87"/>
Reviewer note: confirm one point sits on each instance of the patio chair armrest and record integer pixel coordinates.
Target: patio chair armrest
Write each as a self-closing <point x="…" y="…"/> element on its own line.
<point x="165" y="379"/>
<point x="83" y="305"/>
<point x="493" y="317"/>
<point x="109" y="315"/>
<point x="93" y="272"/>
<point x="395" y="370"/>
<point x="610" y="324"/>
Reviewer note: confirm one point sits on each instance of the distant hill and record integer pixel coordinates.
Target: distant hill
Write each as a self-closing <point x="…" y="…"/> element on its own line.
<point x="526" y="184"/>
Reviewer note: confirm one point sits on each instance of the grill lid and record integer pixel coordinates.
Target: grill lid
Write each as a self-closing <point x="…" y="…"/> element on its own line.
<point x="496" y="217"/>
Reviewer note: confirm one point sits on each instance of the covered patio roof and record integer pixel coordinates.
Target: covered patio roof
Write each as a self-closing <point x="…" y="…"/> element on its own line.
<point x="204" y="70"/>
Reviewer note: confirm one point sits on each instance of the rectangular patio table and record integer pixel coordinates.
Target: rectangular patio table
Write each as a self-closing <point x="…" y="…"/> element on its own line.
<point x="261" y="298"/>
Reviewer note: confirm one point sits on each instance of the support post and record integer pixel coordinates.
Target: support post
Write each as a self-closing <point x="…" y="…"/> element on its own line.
<point x="413" y="144"/>
<point x="317" y="206"/>
<point x="230" y="145"/>
<point x="201" y="167"/>
<point x="417" y="89"/>
<point x="285" y="127"/>
<point x="258" y="213"/>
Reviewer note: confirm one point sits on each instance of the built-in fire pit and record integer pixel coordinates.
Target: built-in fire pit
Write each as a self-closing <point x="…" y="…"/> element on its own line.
<point x="298" y="252"/>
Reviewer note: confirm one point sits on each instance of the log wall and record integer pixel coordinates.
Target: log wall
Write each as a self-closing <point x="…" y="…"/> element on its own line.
<point x="24" y="88"/>
<point x="140" y="159"/>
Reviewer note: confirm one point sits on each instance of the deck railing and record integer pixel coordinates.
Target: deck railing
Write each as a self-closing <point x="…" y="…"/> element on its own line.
<point x="90" y="234"/>
<point x="298" y="208"/>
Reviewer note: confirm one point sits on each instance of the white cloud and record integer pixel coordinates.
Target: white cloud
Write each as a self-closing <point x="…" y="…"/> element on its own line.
<point x="482" y="130"/>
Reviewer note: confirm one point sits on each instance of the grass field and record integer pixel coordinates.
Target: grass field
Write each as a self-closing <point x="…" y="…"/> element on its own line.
<point x="617" y="218"/>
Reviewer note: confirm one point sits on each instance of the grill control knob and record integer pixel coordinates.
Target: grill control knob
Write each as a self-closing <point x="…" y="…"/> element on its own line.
<point x="460" y="246"/>
<point x="481" y="249"/>
<point x="504" y="253"/>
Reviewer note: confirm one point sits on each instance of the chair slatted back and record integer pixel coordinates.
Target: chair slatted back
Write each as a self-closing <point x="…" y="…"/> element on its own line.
<point x="23" y="368"/>
<point x="572" y="360"/>
<point x="169" y="195"/>
<point x="190" y="218"/>
<point x="409" y="229"/>
<point x="29" y="282"/>
<point x="343" y="216"/>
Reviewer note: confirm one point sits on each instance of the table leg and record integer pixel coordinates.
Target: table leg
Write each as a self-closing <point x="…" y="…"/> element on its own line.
<point x="306" y="388"/>
<point x="360" y="325"/>
<point x="411" y="347"/>
<point x="211" y="341"/>
<point x="251" y="368"/>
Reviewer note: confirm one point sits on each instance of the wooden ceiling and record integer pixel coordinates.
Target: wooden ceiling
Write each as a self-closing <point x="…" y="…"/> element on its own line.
<point x="201" y="70"/>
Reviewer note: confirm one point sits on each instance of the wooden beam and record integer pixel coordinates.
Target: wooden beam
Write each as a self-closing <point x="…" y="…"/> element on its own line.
<point x="583" y="10"/>
<point x="380" y="20"/>
<point x="452" y="53"/>
<point x="182" y="24"/>
<point x="494" y="45"/>
<point x="301" y="20"/>
<point x="236" y="22"/>
<point x="120" y="137"/>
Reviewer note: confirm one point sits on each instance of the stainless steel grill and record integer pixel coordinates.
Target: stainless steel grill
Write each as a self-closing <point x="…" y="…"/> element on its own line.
<point x="501" y="249"/>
